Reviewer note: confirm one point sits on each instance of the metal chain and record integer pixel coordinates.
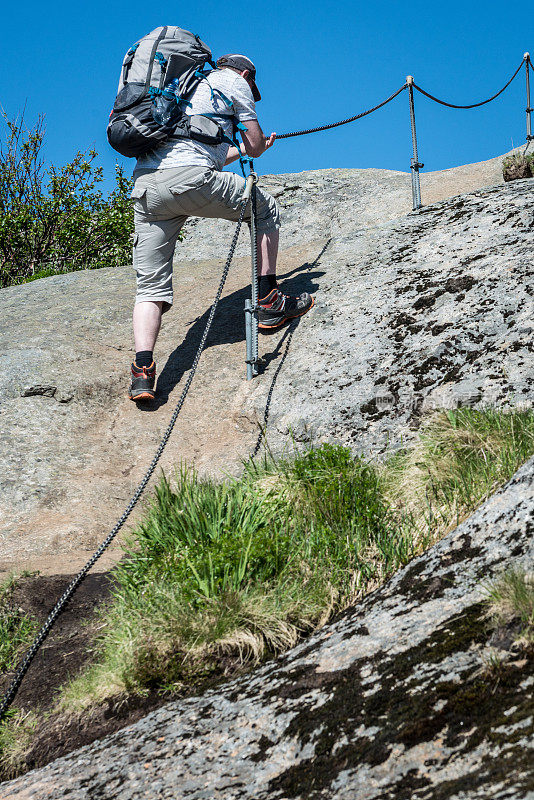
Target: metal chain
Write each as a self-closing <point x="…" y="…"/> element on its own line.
<point x="343" y="121"/>
<point x="11" y="692"/>
<point x="473" y="105"/>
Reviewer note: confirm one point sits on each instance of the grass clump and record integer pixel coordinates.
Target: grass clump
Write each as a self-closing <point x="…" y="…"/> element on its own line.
<point x="459" y="459"/>
<point x="520" y="165"/>
<point x="242" y="568"/>
<point x="16" y="627"/>
<point x="510" y="599"/>
<point x="16" y="733"/>
<point x="219" y="574"/>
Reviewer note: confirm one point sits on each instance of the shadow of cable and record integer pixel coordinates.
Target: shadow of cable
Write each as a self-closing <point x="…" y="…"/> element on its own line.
<point x="288" y="335"/>
<point x="308" y="265"/>
<point x="268" y="357"/>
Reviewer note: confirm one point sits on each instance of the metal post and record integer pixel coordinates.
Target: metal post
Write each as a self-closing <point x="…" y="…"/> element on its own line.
<point x="251" y="310"/>
<point x="248" y="338"/>
<point x="529" y="109"/>
<point x="415" y="166"/>
<point x="254" y="279"/>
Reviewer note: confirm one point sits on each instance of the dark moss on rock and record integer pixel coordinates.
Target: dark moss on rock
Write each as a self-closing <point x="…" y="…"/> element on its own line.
<point x="412" y="705"/>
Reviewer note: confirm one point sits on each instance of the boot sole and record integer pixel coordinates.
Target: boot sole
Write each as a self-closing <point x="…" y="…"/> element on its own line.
<point x="286" y="319"/>
<point x="142" y="396"/>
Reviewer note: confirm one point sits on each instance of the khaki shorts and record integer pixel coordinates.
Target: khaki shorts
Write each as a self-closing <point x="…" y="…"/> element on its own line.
<point x="164" y="199"/>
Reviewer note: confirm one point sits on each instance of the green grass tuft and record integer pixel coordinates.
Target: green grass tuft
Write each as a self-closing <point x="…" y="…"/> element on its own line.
<point x="16" y="731"/>
<point x="244" y="569"/>
<point x="16" y="627"/>
<point x="460" y="458"/>
<point x="510" y="598"/>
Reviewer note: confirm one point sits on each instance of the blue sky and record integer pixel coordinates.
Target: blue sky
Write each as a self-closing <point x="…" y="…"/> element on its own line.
<point x="316" y="63"/>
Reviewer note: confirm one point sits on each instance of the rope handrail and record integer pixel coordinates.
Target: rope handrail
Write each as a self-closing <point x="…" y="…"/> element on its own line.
<point x="343" y="121"/>
<point x="473" y="105"/>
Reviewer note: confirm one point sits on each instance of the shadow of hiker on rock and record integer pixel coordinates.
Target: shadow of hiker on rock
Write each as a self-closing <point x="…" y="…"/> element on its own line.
<point x="228" y="328"/>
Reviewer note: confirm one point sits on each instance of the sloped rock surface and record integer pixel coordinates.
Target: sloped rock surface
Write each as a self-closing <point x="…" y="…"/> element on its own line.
<point x="394" y="700"/>
<point x="326" y="203"/>
<point x="73" y="448"/>
<point x="433" y="310"/>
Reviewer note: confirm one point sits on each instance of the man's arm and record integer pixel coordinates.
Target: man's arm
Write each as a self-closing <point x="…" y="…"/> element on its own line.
<point x="233" y="153"/>
<point x="254" y="139"/>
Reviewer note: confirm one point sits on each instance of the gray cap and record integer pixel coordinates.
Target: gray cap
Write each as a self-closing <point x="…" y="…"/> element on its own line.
<point x="241" y="63"/>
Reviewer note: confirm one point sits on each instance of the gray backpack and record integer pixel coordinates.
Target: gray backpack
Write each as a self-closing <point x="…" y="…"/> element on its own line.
<point x="166" y="55"/>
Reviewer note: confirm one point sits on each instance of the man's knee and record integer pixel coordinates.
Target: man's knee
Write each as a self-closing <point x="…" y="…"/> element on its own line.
<point x="267" y="213"/>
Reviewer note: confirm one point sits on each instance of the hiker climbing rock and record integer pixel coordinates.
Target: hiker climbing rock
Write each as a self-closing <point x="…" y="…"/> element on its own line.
<point x="182" y="176"/>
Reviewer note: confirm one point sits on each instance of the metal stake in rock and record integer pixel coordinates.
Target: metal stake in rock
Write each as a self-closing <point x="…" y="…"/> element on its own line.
<point x="251" y="306"/>
<point x="529" y="109"/>
<point x="415" y="166"/>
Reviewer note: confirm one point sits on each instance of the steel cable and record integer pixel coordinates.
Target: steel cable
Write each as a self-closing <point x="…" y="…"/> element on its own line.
<point x="11" y="692"/>
<point x="473" y="105"/>
<point x="343" y="121"/>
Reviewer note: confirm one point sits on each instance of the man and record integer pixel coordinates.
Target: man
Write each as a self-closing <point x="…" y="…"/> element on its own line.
<point x="183" y="178"/>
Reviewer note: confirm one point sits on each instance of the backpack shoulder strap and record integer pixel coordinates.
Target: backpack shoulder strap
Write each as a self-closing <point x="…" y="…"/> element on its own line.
<point x="131" y="55"/>
<point x="161" y="36"/>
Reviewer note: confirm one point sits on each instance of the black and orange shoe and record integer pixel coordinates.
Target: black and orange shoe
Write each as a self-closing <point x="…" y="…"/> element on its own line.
<point x="278" y="308"/>
<point x="142" y="385"/>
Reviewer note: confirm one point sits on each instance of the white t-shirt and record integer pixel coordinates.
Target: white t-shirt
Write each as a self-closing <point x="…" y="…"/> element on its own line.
<point x="186" y="152"/>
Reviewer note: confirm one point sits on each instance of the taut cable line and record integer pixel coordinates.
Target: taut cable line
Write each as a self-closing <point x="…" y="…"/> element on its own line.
<point x="343" y="121"/>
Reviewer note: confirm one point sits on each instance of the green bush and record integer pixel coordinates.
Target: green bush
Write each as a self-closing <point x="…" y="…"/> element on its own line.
<point x="55" y="220"/>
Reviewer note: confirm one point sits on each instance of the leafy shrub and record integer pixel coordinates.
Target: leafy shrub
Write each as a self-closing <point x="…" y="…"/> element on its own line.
<point x="56" y="219"/>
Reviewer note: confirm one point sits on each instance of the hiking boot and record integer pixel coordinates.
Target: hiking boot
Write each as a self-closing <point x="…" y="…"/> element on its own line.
<point x="142" y="385"/>
<point x="278" y="308"/>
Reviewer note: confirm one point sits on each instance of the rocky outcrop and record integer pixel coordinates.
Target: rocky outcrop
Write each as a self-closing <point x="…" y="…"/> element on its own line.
<point x="327" y="203"/>
<point x="396" y="699"/>
<point x="428" y="311"/>
<point x="410" y="306"/>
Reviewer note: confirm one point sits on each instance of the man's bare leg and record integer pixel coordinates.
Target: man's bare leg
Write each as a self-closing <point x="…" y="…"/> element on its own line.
<point x="146" y="324"/>
<point x="268" y="252"/>
<point x="147" y="314"/>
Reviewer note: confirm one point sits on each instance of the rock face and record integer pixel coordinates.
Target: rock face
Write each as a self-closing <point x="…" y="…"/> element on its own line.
<point x="411" y="308"/>
<point x="431" y="310"/>
<point x="396" y="699"/>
